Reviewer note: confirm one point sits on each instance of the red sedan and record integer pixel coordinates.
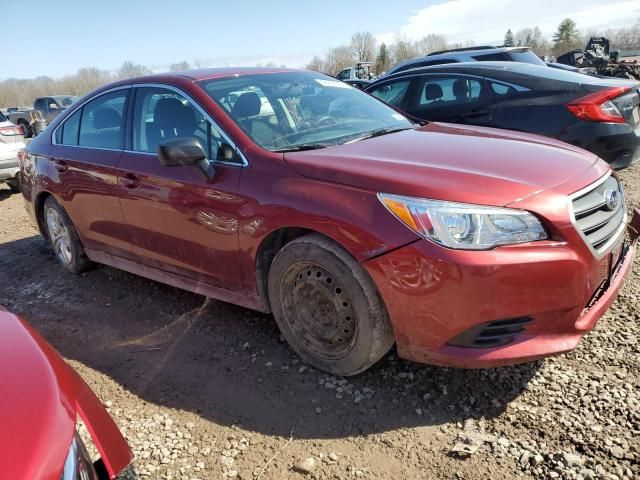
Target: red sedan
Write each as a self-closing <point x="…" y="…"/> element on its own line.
<point x="42" y="401"/>
<point x="293" y="193"/>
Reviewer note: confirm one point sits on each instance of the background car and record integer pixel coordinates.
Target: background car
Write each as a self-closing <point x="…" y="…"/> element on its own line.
<point x="11" y="142"/>
<point x="42" y="401"/>
<point x="598" y="114"/>
<point x="358" y="83"/>
<point x="471" y="54"/>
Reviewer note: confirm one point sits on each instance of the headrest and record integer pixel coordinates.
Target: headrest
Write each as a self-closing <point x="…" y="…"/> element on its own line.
<point x="433" y="91"/>
<point x="247" y="105"/>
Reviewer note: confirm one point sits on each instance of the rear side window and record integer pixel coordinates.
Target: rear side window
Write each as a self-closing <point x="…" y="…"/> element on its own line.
<point x="393" y="93"/>
<point x="448" y="91"/>
<point x="102" y="121"/>
<point x="70" y="129"/>
<point x="492" y="57"/>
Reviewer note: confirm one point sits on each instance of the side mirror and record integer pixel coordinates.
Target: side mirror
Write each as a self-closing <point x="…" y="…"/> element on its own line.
<point x="181" y="152"/>
<point x="53" y="106"/>
<point x="185" y="151"/>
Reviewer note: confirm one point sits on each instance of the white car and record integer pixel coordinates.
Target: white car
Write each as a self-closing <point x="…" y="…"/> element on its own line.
<point x="11" y="142"/>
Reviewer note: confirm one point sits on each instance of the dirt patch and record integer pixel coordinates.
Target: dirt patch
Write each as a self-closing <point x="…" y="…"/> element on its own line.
<point x="203" y="389"/>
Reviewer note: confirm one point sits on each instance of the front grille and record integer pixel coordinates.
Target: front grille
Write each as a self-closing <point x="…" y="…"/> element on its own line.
<point x="490" y="335"/>
<point x="599" y="222"/>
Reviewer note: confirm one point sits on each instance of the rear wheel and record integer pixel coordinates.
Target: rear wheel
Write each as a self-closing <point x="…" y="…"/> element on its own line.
<point x="327" y="307"/>
<point x="64" y="238"/>
<point x="14" y="184"/>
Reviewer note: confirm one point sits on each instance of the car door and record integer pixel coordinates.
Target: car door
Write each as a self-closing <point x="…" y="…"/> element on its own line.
<point x="180" y="220"/>
<point x="83" y="158"/>
<point x="451" y="98"/>
<point x="51" y="109"/>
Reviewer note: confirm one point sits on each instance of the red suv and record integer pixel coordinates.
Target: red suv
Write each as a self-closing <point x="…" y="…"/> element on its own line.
<point x="293" y="193"/>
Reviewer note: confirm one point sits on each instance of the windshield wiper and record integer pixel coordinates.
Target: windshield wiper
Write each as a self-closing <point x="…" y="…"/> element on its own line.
<point x="302" y="147"/>
<point x="378" y="133"/>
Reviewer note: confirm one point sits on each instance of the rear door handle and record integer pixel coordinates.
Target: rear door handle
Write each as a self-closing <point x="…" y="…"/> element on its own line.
<point x="60" y="165"/>
<point x="129" y="180"/>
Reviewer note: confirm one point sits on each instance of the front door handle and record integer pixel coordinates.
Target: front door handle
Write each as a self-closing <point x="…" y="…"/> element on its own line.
<point x="60" y="165"/>
<point x="129" y="180"/>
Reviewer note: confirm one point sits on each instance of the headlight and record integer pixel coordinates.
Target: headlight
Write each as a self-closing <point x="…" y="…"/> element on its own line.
<point x="78" y="465"/>
<point x="464" y="226"/>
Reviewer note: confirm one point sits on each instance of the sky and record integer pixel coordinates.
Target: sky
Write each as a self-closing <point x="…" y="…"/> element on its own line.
<point x="71" y="34"/>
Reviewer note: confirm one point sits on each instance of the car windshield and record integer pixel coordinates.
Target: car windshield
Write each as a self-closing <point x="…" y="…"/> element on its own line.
<point x="299" y="110"/>
<point x="65" y="100"/>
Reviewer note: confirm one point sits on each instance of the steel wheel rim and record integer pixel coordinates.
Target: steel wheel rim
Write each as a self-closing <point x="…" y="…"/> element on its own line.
<point x="59" y="236"/>
<point x="319" y="310"/>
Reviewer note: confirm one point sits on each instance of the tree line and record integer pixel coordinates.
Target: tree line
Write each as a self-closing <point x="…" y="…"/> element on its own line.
<point x="363" y="47"/>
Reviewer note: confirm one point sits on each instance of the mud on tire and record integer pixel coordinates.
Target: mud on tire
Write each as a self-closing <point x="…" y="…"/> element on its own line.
<point x="327" y="307"/>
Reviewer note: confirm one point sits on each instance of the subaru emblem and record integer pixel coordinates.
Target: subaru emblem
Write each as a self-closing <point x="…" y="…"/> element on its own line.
<point x="611" y="199"/>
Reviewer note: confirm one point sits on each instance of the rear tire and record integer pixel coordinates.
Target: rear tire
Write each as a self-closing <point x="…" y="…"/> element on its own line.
<point x="64" y="238"/>
<point x="14" y="184"/>
<point x="327" y="307"/>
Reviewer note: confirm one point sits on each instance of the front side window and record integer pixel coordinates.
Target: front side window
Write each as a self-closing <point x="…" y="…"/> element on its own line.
<point x="393" y="92"/>
<point x="161" y="114"/>
<point x="344" y="74"/>
<point x="295" y="110"/>
<point x="436" y="92"/>
<point x="39" y="104"/>
<point x="102" y="121"/>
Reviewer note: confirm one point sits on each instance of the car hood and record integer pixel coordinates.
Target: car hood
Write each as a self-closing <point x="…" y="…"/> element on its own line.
<point x="37" y="412"/>
<point x="452" y="162"/>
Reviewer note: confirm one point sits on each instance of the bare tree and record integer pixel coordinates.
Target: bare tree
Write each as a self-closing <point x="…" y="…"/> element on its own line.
<point x="337" y="59"/>
<point x="363" y="45"/>
<point x="130" y="69"/>
<point x="403" y="50"/>
<point x="431" y="43"/>
<point x="176" y="67"/>
<point x="199" y="63"/>
<point x="532" y="37"/>
<point x="316" y="64"/>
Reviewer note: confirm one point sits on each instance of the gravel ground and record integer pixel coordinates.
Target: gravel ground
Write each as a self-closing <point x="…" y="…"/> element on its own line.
<point x="206" y="390"/>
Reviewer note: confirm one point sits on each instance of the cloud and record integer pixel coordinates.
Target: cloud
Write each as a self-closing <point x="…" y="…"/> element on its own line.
<point x="487" y="21"/>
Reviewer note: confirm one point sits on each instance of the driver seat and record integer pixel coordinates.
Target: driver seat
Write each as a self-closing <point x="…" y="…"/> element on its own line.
<point x="244" y="111"/>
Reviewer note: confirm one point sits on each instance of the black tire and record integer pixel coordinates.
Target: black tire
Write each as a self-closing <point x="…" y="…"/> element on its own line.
<point x="77" y="261"/>
<point x="28" y="132"/>
<point x="327" y="307"/>
<point x="14" y="184"/>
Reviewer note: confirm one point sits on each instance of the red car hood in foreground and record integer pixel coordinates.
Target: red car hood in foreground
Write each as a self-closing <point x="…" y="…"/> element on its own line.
<point x="41" y="396"/>
<point x="453" y="162"/>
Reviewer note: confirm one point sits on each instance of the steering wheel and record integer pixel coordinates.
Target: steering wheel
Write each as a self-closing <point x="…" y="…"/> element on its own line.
<point x="327" y="120"/>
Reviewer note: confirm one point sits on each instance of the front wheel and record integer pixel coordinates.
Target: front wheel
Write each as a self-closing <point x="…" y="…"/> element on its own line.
<point x="327" y="307"/>
<point x="64" y="239"/>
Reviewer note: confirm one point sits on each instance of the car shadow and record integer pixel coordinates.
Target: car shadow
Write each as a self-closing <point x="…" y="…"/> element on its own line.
<point x="229" y="364"/>
<point x="5" y="193"/>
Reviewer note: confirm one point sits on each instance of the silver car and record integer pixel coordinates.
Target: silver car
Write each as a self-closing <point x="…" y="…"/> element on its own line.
<point x="11" y="142"/>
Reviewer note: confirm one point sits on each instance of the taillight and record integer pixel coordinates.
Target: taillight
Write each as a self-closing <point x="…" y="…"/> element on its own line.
<point x="598" y="107"/>
<point x="11" y="130"/>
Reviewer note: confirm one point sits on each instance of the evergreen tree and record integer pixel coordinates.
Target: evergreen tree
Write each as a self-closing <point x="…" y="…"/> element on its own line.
<point x="567" y="37"/>
<point x="382" y="61"/>
<point x="508" y="39"/>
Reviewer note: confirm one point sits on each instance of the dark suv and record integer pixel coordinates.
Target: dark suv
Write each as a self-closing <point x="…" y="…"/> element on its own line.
<point x="473" y="54"/>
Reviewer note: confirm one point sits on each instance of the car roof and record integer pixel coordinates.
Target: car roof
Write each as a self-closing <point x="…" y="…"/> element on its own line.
<point x="212" y="73"/>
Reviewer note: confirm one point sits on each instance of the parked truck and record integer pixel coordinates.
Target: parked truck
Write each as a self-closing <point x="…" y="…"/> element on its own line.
<point x="44" y="110"/>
